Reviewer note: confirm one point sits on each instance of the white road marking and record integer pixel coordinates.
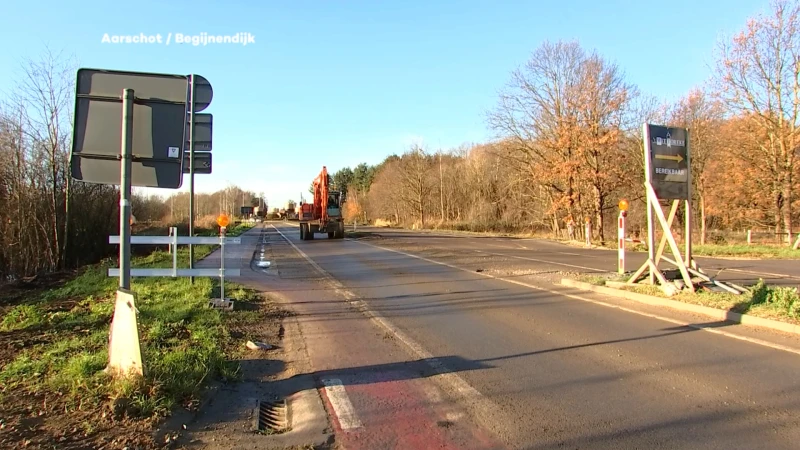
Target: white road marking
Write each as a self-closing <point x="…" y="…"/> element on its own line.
<point x="500" y="246"/>
<point x="602" y="303"/>
<point x="486" y="408"/>
<point x="541" y="261"/>
<point x="342" y="407"/>
<point x="776" y="275"/>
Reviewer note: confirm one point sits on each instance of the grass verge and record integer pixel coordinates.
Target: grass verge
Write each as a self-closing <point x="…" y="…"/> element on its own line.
<point x="747" y="251"/>
<point x="761" y="300"/>
<point x="53" y="349"/>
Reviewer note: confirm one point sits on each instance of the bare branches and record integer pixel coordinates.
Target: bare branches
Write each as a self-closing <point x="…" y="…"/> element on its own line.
<point x="758" y="74"/>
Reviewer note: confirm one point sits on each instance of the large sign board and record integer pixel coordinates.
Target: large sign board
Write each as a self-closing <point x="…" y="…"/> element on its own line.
<point x="667" y="165"/>
<point x="159" y="123"/>
<point x="203" y="127"/>
<point x="246" y="210"/>
<point x="202" y="163"/>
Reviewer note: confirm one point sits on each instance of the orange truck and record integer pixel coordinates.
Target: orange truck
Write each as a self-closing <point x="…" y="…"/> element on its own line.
<point x="325" y="214"/>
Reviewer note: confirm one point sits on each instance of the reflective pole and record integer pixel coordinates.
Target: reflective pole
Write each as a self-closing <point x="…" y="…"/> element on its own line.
<point x="621" y="236"/>
<point x="623" y="213"/>
<point x="222" y="264"/>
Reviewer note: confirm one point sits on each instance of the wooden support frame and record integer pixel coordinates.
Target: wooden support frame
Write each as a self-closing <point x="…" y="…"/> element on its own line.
<point x="685" y="263"/>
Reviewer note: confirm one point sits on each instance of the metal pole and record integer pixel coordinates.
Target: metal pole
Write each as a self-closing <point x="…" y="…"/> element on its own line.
<point x="621" y="246"/>
<point x="174" y="246"/>
<point x="222" y="264"/>
<point x="191" y="172"/>
<point x="126" y="149"/>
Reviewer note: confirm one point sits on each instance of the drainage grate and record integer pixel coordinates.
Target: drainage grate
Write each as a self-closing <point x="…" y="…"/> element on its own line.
<point x="272" y="416"/>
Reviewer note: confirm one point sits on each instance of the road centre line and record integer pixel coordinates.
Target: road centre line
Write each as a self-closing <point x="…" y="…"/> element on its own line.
<point x="602" y="303"/>
<point x="541" y="261"/>
<point x="776" y="275"/>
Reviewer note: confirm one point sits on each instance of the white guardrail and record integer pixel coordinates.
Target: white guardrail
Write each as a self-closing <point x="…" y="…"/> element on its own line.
<point x="173" y="240"/>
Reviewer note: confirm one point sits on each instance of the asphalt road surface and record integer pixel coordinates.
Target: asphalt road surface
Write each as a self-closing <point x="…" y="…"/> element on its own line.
<point x="541" y="252"/>
<point x="439" y="342"/>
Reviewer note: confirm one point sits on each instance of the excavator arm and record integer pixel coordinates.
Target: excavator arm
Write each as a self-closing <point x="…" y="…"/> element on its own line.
<point x="321" y="195"/>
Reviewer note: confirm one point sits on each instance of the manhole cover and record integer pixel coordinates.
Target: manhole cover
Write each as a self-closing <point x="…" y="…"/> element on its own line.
<point x="272" y="416"/>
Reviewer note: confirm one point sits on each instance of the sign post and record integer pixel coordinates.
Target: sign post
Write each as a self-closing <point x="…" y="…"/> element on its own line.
<point x="667" y="177"/>
<point x="623" y="212"/>
<point x="200" y="95"/>
<point x="151" y="136"/>
<point x="125" y="218"/>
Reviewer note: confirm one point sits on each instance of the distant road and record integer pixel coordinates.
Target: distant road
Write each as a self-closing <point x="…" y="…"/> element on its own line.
<point x="538" y="366"/>
<point x="541" y="253"/>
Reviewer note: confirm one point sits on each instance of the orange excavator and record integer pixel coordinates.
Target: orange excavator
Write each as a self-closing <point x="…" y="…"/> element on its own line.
<point x="325" y="214"/>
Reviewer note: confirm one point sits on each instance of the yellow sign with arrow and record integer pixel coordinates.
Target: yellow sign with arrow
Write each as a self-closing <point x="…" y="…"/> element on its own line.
<point x="676" y="158"/>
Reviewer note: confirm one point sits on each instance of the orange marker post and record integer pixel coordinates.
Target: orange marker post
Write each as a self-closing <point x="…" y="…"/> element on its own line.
<point x="222" y="221"/>
<point x="623" y="212"/>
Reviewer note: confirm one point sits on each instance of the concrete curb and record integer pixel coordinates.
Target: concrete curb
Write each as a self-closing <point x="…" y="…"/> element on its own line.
<point x="714" y="313"/>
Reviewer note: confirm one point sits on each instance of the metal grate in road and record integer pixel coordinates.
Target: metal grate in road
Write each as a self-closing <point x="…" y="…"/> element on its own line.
<point x="272" y="416"/>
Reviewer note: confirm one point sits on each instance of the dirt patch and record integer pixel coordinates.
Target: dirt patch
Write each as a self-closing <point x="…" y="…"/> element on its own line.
<point x="27" y="288"/>
<point x="359" y="235"/>
<point x="225" y="420"/>
<point x="39" y="421"/>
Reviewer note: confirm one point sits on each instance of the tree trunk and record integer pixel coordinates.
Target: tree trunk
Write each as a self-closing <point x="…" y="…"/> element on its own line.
<point x="421" y="210"/>
<point x="67" y="194"/>
<point x="777" y="212"/>
<point x="787" y="207"/>
<point x="702" y="219"/>
<point x="600" y="201"/>
<point x="441" y="187"/>
<point x="54" y="200"/>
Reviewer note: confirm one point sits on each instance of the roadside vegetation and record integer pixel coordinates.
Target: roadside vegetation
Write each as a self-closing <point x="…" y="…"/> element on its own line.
<point x="53" y="349"/>
<point x="770" y="302"/>
<point x="569" y="148"/>
<point x="743" y="251"/>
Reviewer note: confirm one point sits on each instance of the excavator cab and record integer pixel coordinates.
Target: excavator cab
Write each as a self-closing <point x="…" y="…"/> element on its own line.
<point x="334" y="205"/>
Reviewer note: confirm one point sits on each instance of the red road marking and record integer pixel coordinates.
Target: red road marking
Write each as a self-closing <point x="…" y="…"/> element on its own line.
<point x="396" y="414"/>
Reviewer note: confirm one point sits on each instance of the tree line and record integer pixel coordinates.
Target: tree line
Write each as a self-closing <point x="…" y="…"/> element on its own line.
<point x="569" y="145"/>
<point x="49" y="222"/>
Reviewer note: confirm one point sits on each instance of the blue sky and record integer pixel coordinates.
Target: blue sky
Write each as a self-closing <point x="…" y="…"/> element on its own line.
<point x="336" y="83"/>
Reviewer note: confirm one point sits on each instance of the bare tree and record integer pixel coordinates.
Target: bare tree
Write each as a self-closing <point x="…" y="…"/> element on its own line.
<point x="703" y="117"/>
<point x="45" y="96"/>
<point x="416" y="186"/>
<point x="538" y="113"/>
<point x="759" y="76"/>
<point x="603" y="96"/>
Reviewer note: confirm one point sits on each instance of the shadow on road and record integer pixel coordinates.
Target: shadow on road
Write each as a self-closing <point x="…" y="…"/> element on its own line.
<point x="672" y="331"/>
